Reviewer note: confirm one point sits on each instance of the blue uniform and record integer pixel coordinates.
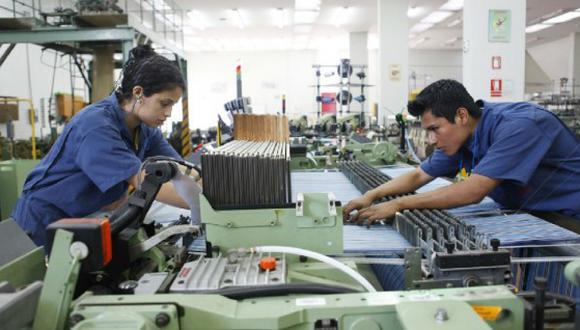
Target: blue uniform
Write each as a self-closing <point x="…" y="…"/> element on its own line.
<point x="527" y="147"/>
<point x="86" y="168"/>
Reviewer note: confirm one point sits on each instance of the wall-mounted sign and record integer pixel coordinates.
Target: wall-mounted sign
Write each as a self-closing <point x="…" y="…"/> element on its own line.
<point x="495" y="88"/>
<point x="496" y="62"/>
<point x="328" y="102"/>
<point x="499" y="25"/>
<point x="394" y="72"/>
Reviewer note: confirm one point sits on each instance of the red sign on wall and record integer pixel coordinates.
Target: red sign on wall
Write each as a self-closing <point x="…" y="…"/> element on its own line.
<point x="496" y="62"/>
<point x="495" y="88"/>
<point x="328" y="103"/>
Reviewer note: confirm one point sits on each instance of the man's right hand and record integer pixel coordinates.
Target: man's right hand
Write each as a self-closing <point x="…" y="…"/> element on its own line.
<point x="356" y="204"/>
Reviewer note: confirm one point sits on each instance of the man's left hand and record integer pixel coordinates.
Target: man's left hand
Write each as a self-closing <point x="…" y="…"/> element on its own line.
<point x="382" y="211"/>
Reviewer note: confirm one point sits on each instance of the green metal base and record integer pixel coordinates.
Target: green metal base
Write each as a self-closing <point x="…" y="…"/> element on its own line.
<point x="13" y="173"/>
<point x="373" y="153"/>
<point x="25" y="269"/>
<point x="381" y="310"/>
<point x="318" y="229"/>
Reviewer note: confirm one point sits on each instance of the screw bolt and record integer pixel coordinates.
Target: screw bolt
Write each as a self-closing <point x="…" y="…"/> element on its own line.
<point x="494" y="244"/>
<point x="75" y="318"/>
<point x="441" y="315"/>
<point x="162" y="319"/>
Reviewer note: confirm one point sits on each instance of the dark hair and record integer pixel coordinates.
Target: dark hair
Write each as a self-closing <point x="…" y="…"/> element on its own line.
<point x="443" y="98"/>
<point x="150" y="70"/>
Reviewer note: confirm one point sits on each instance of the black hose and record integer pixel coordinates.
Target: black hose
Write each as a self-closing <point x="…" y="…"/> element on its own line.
<point x="122" y="220"/>
<point x="247" y="292"/>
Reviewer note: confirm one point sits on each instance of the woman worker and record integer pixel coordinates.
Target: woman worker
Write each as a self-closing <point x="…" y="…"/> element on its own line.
<point x="99" y="153"/>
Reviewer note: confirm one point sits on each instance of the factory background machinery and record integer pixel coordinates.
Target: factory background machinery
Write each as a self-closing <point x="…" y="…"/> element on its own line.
<point x="267" y="247"/>
<point x="276" y="254"/>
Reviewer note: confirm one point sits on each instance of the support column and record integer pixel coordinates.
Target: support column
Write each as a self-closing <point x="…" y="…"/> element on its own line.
<point x="494" y="49"/>
<point x="103" y="72"/>
<point x="186" y="147"/>
<point x="393" y="62"/>
<point x="574" y="63"/>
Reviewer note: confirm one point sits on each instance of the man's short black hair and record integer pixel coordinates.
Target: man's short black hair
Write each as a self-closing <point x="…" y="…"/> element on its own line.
<point x="443" y="98"/>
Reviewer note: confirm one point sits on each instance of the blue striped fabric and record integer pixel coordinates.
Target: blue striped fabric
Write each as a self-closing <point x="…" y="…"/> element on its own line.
<point x="377" y="240"/>
<point x="384" y="241"/>
<point x="525" y="274"/>
<point x="522" y="229"/>
<point x="323" y="181"/>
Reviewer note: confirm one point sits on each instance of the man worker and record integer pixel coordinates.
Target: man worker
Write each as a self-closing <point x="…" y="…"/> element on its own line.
<point x="519" y="154"/>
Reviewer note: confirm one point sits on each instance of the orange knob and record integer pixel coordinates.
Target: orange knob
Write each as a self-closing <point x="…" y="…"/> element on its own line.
<point x="268" y="263"/>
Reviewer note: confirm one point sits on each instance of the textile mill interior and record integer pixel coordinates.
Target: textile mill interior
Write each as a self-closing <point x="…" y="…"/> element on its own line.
<point x="289" y="164"/>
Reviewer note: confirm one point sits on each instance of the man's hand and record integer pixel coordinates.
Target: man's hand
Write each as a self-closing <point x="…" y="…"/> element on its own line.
<point x="382" y="211"/>
<point x="355" y="204"/>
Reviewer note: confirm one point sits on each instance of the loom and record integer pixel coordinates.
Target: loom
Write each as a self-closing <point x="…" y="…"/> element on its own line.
<point x="287" y="261"/>
<point x="441" y="248"/>
<point x="262" y="287"/>
<point x="529" y="239"/>
<point x="319" y="153"/>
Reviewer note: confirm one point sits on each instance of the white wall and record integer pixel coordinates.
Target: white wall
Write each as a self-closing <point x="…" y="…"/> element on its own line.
<point x="14" y="81"/>
<point x="212" y="80"/>
<point x="393" y="58"/>
<point x="268" y="74"/>
<point x="553" y="57"/>
<point x="536" y="78"/>
<point x="432" y="65"/>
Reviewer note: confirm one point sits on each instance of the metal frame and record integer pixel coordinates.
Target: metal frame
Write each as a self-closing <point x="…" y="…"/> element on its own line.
<point x="61" y="34"/>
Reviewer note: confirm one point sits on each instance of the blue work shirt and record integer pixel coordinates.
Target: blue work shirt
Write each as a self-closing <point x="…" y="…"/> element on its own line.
<point x="527" y="147"/>
<point x="87" y="168"/>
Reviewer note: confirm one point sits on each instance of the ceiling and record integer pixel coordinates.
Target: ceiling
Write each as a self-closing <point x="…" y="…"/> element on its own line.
<point x="214" y="24"/>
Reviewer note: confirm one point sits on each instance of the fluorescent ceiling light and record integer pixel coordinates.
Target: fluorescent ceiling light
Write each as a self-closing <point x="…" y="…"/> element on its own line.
<point x="305" y="16"/>
<point x="419" y="41"/>
<point x="436" y="16"/>
<point x="451" y="41"/>
<point x="303" y="28"/>
<point x="194" y="40"/>
<point x="537" y="27"/>
<point x="281" y="43"/>
<point x="454" y="22"/>
<point x="215" y="43"/>
<point x="301" y="39"/>
<point x="196" y="20"/>
<point x="160" y="4"/>
<point x="563" y="18"/>
<point x="280" y="17"/>
<point x="420" y="27"/>
<point x="452" y="5"/>
<point x="299" y="46"/>
<point x="237" y="18"/>
<point x="340" y="16"/>
<point x="307" y="5"/>
<point x="414" y="11"/>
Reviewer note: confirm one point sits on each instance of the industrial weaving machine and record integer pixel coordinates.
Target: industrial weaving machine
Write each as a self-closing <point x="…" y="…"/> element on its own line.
<point x="281" y="258"/>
